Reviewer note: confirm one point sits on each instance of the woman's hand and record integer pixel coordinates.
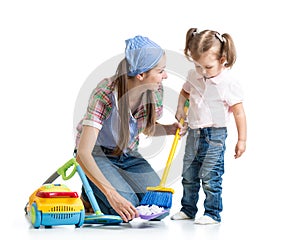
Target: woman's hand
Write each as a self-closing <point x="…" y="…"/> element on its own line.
<point x="183" y="129"/>
<point x="173" y="128"/>
<point x="122" y="206"/>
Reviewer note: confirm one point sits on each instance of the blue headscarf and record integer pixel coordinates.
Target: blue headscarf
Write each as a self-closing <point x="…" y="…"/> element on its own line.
<point x="141" y="54"/>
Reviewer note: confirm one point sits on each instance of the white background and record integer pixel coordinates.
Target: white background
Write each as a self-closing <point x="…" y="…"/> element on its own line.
<point x="48" y="49"/>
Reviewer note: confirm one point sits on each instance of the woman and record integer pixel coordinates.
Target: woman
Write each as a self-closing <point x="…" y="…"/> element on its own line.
<point x="120" y="108"/>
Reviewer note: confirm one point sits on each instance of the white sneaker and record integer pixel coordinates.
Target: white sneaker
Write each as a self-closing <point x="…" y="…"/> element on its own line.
<point x="205" y="220"/>
<point x="180" y="216"/>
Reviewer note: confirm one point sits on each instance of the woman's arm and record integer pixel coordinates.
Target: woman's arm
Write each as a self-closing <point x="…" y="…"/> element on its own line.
<point x="241" y="125"/>
<point x="168" y="129"/>
<point x="84" y="157"/>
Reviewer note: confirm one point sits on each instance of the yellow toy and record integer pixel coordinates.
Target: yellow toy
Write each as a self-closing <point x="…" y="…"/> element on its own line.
<point x="55" y="204"/>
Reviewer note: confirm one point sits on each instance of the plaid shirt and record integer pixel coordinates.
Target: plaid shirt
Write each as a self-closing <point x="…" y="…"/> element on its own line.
<point x="100" y="107"/>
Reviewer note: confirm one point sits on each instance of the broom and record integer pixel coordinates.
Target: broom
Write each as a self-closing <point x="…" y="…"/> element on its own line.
<point x="160" y="195"/>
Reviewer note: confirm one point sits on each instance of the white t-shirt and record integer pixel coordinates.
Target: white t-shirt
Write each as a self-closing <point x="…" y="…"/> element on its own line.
<point x="211" y="99"/>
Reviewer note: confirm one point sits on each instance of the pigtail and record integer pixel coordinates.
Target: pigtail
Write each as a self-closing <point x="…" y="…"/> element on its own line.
<point x="188" y="42"/>
<point x="228" y="50"/>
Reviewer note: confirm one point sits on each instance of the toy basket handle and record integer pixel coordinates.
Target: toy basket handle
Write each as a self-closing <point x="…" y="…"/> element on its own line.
<point x="64" y="168"/>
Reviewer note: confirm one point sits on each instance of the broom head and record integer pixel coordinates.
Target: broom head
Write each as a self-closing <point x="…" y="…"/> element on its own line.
<point x="159" y="196"/>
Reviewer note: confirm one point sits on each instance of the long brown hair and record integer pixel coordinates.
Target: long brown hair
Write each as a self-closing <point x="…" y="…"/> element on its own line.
<point x="121" y="80"/>
<point x="200" y="42"/>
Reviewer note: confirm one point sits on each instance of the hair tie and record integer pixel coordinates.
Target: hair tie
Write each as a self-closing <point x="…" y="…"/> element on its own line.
<point x="197" y="31"/>
<point x="220" y="37"/>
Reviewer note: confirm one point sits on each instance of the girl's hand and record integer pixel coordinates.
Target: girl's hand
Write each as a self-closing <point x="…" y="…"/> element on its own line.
<point x="180" y="114"/>
<point x="122" y="206"/>
<point x="183" y="128"/>
<point x="240" y="148"/>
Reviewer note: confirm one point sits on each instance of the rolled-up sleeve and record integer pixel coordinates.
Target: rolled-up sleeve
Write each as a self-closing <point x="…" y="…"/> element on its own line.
<point x="98" y="110"/>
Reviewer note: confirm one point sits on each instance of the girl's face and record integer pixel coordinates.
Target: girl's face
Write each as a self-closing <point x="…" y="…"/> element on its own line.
<point x="154" y="77"/>
<point x="208" y="65"/>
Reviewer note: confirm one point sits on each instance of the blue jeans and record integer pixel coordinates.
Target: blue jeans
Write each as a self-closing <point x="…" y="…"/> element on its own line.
<point x="130" y="174"/>
<point x="203" y="162"/>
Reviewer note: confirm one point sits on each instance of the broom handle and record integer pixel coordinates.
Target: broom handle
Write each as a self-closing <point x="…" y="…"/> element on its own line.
<point x="172" y="152"/>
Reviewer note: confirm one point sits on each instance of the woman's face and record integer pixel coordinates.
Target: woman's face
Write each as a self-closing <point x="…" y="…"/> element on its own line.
<point x="155" y="76"/>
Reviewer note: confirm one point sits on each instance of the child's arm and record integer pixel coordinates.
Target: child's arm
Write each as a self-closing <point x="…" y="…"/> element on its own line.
<point x="241" y="125"/>
<point x="171" y="129"/>
<point x="180" y="106"/>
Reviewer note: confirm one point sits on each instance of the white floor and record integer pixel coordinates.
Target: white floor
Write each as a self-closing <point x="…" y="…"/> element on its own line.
<point x="260" y="199"/>
<point x="257" y="221"/>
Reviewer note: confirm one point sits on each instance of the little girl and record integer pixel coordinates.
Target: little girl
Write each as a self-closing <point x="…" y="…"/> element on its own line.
<point x="214" y="94"/>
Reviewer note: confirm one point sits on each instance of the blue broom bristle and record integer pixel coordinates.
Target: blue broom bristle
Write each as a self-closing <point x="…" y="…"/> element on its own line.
<point x="161" y="199"/>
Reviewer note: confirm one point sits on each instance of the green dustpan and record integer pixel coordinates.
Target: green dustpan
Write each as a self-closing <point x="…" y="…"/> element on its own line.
<point x="98" y="217"/>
